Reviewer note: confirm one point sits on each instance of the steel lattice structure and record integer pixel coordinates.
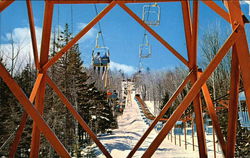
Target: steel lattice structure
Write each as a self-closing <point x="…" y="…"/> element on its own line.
<point x="240" y="67"/>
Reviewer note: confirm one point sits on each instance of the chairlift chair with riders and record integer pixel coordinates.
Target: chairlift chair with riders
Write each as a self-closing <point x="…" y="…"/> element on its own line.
<point x="100" y="54"/>
<point x="151" y="14"/>
<point x="100" y="58"/>
<point x="145" y="49"/>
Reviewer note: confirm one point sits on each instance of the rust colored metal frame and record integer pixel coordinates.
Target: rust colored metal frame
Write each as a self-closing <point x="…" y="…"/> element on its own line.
<point x="107" y="1"/>
<point x="187" y="25"/>
<point x="36" y="132"/>
<point x="162" y="113"/>
<point x="39" y="104"/>
<point x="4" y="4"/>
<point x="240" y="64"/>
<point x="153" y="33"/>
<point x="193" y="66"/>
<point x="31" y="110"/>
<point x="241" y="47"/>
<point x="24" y="118"/>
<point x="79" y="35"/>
<point x="233" y="104"/>
<point x="217" y="9"/>
<point x="33" y="34"/>
<point x="77" y="116"/>
<point x="193" y="92"/>
<point x="213" y="116"/>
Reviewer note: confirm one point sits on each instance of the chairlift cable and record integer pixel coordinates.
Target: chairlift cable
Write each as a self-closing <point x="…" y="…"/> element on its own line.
<point x="99" y="25"/>
<point x="145" y="31"/>
<point x="58" y="22"/>
<point x="143" y="40"/>
<point x="72" y="20"/>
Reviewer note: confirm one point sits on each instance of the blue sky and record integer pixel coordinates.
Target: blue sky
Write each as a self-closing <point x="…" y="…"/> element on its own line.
<point x="121" y="33"/>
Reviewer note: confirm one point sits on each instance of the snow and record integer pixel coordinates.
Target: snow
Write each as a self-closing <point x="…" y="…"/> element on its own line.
<point x="150" y="105"/>
<point x="105" y="118"/>
<point x="132" y="126"/>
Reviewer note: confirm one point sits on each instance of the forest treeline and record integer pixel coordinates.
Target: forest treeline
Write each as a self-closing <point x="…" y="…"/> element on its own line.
<point x="74" y="80"/>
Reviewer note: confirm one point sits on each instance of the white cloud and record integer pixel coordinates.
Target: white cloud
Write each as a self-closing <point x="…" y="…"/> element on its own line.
<point x="125" y="68"/>
<point x="19" y="40"/>
<point x="91" y="34"/>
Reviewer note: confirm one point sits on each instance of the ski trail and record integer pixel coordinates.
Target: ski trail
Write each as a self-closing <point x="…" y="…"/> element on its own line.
<point x="131" y="128"/>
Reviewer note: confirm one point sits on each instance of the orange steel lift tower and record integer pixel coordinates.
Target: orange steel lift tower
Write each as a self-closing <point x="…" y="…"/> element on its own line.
<point x="240" y="67"/>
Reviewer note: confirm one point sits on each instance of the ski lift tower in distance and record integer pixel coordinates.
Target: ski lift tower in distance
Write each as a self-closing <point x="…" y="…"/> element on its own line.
<point x="151" y="14"/>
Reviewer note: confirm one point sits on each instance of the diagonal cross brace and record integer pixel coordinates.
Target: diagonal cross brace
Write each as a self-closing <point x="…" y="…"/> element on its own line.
<point x="193" y="92"/>
<point x="79" y="35"/>
<point x="34" y="114"/>
<point x="24" y="118"/>
<point x="163" y="111"/>
<point x="157" y="36"/>
<point x="213" y="116"/>
<point x="77" y="116"/>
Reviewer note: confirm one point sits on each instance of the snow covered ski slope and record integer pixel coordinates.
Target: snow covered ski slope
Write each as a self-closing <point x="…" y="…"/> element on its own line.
<point x="131" y="128"/>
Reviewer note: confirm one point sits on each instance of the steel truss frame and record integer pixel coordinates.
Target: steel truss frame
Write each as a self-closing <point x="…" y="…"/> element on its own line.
<point x="240" y="66"/>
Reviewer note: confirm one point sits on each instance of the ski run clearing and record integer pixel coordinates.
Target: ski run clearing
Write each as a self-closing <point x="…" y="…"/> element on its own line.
<point x="132" y="127"/>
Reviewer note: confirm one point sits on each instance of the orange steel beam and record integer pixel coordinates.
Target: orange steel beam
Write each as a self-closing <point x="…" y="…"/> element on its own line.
<point x="47" y="23"/>
<point x="199" y="121"/>
<point x="19" y="132"/>
<point x="163" y="111"/>
<point x="194" y="36"/>
<point x="48" y="14"/>
<point x="211" y="4"/>
<point x="212" y="113"/>
<point x="33" y="34"/>
<point x="224" y="103"/>
<point x="79" y="35"/>
<point x="195" y="89"/>
<point x="34" y="114"/>
<point x="193" y="65"/>
<point x="187" y="24"/>
<point x="39" y="105"/>
<point x="233" y="105"/>
<point x="77" y="116"/>
<point x="107" y="1"/>
<point x="4" y="4"/>
<point x="151" y="31"/>
<point x="241" y="47"/>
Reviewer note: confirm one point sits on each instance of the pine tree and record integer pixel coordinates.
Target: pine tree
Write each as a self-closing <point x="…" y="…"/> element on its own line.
<point x="4" y="114"/>
<point x="26" y="80"/>
<point x="164" y="101"/>
<point x="72" y="79"/>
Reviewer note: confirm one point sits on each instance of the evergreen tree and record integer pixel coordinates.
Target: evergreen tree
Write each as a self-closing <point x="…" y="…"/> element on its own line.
<point x="26" y="80"/>
<point x="4" y="114"/>
<point x="164" y="101"/>
<point x="71" y="77"/>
